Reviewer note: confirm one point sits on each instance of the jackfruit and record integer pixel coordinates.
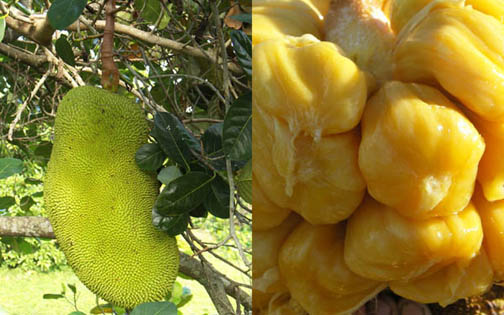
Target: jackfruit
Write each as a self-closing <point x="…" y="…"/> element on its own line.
<point x="492" y="218"/>
<point x="461" y="279"/>
<point x="99" y="201"/>
<point x="312" y="266"/>
<point x="419" y="154"/>
<point x="435" y="48"/>
<point x="266" y="214"/>
<point x="266" y="246"/>
<point x="382" y="245"/>
<point x="319" y="179"/>
<point x="361" y="30"/>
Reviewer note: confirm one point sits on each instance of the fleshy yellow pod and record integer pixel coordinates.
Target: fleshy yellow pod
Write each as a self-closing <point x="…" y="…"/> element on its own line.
<point x="99" y="201"/>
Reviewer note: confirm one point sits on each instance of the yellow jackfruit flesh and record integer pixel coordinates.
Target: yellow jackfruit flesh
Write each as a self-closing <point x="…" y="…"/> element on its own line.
<point x="319" y="179"/>
<point x="492" y="218"/>
<point x="461" y="50"/>
<point x="461" y="279"/>
<point x="267" y="215"/>
<point x="309" y="85"/>
<point x="100" y="202"/>
<point x="282" y="304"/>
<point x="266" y="247"/>
<point x="312" y="266"/>
<point x="400" y="12"/>
<point x="382" y="245"/>
<point x="272" y="20"/>
<point x="419" y="154"/>
<point x="362" y="31"/>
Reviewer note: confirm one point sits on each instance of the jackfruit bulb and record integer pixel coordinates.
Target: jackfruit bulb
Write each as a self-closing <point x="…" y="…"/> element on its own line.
<point x="99" y="201"/>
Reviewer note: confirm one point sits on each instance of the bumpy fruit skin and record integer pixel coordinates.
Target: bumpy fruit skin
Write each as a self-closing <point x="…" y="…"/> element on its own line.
<point x="100" y="202"/>
<point x="267" y="215"/>
<point x="266" y="247"/>
<point x="436" y="47"/>
<point x="492" y="218"/>
<point x="419" y="154"/>
<point x="458" y="280"/>
<point x="312" y="266"/>
<point x="308" y="84"/>
<point x="319" y="179"/>
<point x="382" y="245"/>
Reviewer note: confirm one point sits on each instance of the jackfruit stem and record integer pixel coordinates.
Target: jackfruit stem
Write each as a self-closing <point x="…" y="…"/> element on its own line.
<point x="110" y="73"/>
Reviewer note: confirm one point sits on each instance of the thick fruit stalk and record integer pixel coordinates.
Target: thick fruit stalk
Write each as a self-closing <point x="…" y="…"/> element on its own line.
<point x="464" y="278"/>
<point x="266" y="247"/>
<point x="382" y="245"/>
<point x="100" y="202"/>
<point x="312" y="266"/>
<point x="419" y="154"/>
<point x="436" y="47"/>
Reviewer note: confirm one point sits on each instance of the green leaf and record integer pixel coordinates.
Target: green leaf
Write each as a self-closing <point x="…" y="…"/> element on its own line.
<point x="43" y="151"/>
<point x="7" y="202"/>
<point x="2" y="27"/>
<point x="9" y="167"/>
<point x="102" y="308"/>
<point x="174" y="139"/>
<point x="64" y="50"/>
<point x="186" y="297"/>
<point x="217" y="202"/>
<point x="212" y="144"/>
<point x="244" y="17"/>
<point x="155" y="308"/>
<point x="72" y="287"/>
<point x="63" y="13"/>
<point x="78" y="313"/>
<point x="150" y="157"/>
<point x="244" y="182"/>
<point x="32" y="181"/>
<point x="38" y="194"/>
<point x="237" y="130"/>
<point x="174" y="225"/>
<point x="168" y="174"/>
<point x="243" y="48"/>
<point x="52" y="296"/>
<point x="183" y="194"/>
<point x="26" y="203"/>
<point x="199" y="212"/>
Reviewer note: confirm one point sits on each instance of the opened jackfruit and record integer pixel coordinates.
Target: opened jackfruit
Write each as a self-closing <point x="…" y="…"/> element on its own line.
<point x="419" y="154"/>
<point x="309" y="85"/>
<point x="317" y="178"/>
<point x="458" y="280"/>
<point x="100" y="202"/>
<point x="266" y="247"/>
<point x="492" y="218"/>
<point x="382" y="245"/>
<point x="460" y="49"/>
<point x="312" y="266"/>
<point x="267" y="215"/>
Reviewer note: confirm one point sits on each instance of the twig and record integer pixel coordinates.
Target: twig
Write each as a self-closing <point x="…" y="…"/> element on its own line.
<point x="220" y="38"/>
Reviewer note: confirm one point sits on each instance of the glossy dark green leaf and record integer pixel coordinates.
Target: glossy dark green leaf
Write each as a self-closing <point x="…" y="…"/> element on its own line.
<point x="244" y="182"/>
<point x="168" y="174"/>
<point x="150" y="157"/>
<point x="243" y="48"/>
<point x="9" y="167"/>
<point x="6" y="202"/>
<point x="43" y="151"/>
<point x="62" y="13"/>
<point x="26" y="203"/>
<point x="32" y="181"/>
<point x="72" y="287"/>
<point x="175" y="140"/>
<point x="155" y="308"/>
<point x="237" y="130"/>
<point x="183" y="194"/>
<point x="64" y="50"/>
<point x="2" y="27"/>
<point x="173" y="225"/>
<point x="244" y="17"/>
<point x="212" y="144"/>
<point x="199" y="212"/>
<point x="52" y="296"/>
<point x="217" y="201"/>
<point x="38" y="194"/>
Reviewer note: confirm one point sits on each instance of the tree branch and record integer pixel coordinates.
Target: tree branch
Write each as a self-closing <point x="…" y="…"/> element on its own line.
<point x="211" y="279"/>
<point x="34" y="60"/>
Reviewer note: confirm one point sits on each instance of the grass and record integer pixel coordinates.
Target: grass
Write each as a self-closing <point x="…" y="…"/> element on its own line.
<point x="21" y="291"/>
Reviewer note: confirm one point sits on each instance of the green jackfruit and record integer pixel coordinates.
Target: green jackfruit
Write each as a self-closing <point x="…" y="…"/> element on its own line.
<point x="100" y="202"/>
